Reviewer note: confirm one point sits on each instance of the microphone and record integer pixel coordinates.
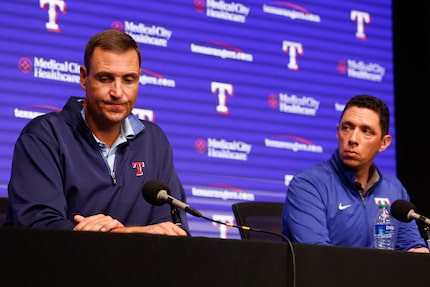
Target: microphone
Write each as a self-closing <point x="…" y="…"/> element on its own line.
<point x="404" y="211"/>
<point x="158" y="193"/>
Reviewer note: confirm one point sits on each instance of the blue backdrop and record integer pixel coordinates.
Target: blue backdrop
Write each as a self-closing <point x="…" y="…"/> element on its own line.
<point x="248" y="92"/>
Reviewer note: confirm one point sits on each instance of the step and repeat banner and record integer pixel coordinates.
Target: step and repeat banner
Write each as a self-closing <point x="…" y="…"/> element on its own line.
<point x="248" y="92"/>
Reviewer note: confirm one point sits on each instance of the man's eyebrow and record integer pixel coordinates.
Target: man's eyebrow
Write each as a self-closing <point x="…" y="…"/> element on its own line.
<point x="349" y="123"/>
<point x="102" y="73"/>
<point x="133" y="74"/>
<point x="106" y="73"/>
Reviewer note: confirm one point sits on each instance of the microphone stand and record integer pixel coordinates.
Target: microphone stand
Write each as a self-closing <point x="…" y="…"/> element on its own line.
<point x="176" y="217"/>
<point x="427" y="230"/>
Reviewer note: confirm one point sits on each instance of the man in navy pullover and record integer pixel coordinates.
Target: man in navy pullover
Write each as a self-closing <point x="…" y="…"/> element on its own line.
<point x="84" y="167"/>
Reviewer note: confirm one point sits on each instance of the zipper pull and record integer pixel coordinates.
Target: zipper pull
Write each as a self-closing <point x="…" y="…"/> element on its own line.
<point x="113" y="178"/>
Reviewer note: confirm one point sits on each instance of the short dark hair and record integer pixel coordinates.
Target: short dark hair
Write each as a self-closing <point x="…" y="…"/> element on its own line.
<point x="113" y="40"/>
<point x="374" y="104"/>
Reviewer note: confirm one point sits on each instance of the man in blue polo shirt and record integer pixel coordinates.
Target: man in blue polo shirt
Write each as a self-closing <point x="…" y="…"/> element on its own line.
<point x="335" y="202"/>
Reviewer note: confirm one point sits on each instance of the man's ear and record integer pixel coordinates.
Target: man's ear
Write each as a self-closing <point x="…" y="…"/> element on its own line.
<point x="337" y="131"/>
<point x="385" y="143"/>
<point x="83" y="77"/>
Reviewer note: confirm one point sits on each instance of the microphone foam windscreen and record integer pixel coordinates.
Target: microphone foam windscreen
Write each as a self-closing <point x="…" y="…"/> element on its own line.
<point x="151" y="189"/>
<point x="400" y="210"/>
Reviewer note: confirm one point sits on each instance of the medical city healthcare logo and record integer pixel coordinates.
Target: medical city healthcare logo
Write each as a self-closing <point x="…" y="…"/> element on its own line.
<point x="25" y="65"/>
<point x="149" y="34"/>
<point x="358" y="69"/>
<point x="293" y="104"/>
<point x="229" y="11"/>
<point x="50" y="69"/>
<point x="222" y="148"/>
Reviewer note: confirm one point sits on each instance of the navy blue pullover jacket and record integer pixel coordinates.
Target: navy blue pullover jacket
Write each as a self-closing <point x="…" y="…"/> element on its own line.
<point x="58" y="171"/>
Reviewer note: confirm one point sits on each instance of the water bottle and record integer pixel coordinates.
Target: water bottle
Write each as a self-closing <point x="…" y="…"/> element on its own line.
<point x="384" y="229"/>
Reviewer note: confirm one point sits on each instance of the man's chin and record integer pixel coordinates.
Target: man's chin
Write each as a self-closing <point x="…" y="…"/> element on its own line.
<point x="116" y="117"/>
<point x="350" y="163"/>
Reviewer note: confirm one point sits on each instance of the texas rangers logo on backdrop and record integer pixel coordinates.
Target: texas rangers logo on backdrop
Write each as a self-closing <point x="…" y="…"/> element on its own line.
<point x="293" y="49"/>
<point x="223" y="230"/>
<point x="360" y="18"/>
<point x="222" y="90"/>
<point x="53" y="7"/>
<point x="144" y="114"/>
